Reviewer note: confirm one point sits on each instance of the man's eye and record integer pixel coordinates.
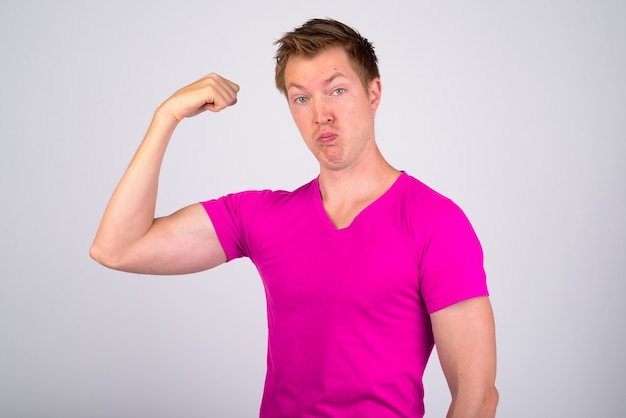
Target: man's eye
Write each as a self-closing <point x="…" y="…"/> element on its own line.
<point x="339" y="91"/>
<point x="300" y="99"/>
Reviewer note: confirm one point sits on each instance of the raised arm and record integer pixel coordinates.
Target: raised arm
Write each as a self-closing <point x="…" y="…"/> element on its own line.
<point x="465" y="340"/>
<point x="129" y="237"/>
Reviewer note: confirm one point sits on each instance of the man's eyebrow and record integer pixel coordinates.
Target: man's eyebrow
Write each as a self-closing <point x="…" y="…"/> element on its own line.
<point x="333" y="77"/>
<point x="327" y="81"/>
<point x="296" y="85"/>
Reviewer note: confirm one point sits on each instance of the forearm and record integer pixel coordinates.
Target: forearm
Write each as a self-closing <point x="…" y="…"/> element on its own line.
<point x="131" y="209"/>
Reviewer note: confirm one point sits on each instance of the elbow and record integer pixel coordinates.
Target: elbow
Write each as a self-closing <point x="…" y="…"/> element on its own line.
<point x="491" y="402"/>
<point x="477" y="403"/>
<point x="96" y="254"/>
<point x="105" y="257"/>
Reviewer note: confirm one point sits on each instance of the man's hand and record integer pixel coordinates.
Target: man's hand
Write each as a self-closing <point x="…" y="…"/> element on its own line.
<point x="212" y="92"/>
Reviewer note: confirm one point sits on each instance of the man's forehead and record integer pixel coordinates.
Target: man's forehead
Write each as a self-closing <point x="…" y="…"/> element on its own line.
<point x="324" y="67"/>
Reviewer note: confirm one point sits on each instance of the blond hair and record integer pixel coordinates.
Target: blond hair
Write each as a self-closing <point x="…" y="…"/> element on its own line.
<point x="317" y="35"/>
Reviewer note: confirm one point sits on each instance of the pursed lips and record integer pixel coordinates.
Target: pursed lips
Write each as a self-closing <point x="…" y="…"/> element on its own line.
<point x="327" y="137"/>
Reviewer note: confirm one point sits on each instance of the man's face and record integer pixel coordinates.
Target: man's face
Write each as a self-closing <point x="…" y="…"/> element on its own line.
<point x="332" y="109"/>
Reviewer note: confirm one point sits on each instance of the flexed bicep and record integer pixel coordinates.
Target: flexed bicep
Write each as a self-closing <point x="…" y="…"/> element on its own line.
<point x="183" y="242"/>
<point x="129" y="237"/>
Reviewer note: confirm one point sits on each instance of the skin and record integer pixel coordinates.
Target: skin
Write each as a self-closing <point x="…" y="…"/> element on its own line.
<point x="466" y="345"/>
<point x="334" y="112"/>
<point x="130" y="238"/>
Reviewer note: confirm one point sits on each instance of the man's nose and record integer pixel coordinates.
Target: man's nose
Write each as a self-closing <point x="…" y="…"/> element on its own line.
<point x="323" y="112"/>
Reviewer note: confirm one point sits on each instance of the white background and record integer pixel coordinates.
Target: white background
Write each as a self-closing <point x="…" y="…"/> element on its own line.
<point x="514" y="109"/>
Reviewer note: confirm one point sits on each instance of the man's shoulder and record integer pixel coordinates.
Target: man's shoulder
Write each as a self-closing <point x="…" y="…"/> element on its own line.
<point x="269" y="195"/>
<point x="417" y="191"/>
<point x="425" y="205"/>
<point x="304" y="191"/>
<point x="264" y="201"/>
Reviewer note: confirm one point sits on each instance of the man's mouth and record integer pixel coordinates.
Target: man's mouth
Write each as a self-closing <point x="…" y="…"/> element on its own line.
<point x="327" y="137"/>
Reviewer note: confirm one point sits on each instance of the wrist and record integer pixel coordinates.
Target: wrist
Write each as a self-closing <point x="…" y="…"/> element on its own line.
<point x="164" y="114"/>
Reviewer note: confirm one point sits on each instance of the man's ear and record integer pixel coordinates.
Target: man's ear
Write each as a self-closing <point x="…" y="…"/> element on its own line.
<point x="375" y="91"/>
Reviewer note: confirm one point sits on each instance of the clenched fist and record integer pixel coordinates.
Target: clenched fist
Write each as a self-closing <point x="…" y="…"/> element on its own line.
<point x="212" y="92"/>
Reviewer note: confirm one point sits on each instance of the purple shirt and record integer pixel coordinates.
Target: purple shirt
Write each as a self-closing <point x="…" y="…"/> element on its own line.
<point x="348" y="309"/>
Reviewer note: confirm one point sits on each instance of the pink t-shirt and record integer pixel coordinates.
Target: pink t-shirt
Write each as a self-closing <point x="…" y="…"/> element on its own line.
<point x="348" y="309"/>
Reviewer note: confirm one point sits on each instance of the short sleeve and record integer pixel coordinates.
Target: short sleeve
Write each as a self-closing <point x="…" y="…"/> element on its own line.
<point x="451" y="267"/>
<point x="232" y="215"/>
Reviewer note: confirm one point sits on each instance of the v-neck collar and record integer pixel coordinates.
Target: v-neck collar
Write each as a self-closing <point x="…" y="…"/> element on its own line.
<point x="328" y="223"/>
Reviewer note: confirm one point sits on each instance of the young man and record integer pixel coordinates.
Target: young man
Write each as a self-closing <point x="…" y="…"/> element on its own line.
<point x="364" y="267"/>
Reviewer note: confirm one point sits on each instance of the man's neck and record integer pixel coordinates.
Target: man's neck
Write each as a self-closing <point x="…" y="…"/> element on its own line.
<point x="345" y="193"/>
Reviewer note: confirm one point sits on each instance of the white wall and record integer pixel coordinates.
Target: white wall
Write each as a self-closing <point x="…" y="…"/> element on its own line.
<point x="516" y="110"/>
